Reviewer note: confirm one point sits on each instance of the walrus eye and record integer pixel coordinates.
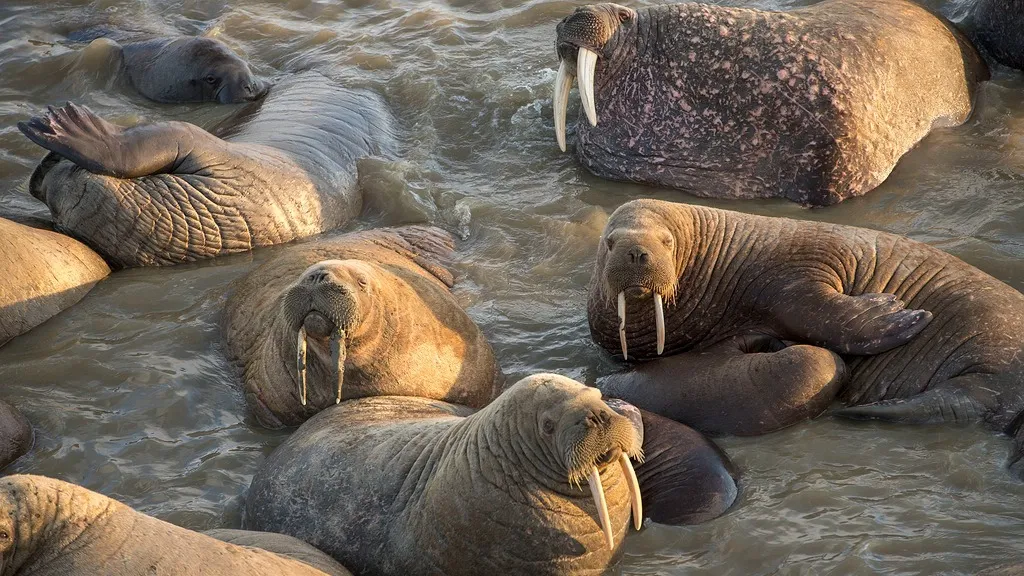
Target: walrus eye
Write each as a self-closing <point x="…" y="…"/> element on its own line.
<point x="624" y="15"/>
<point x="610" y="243"/>
<point x="211" y="80"/>
<point x="4" y="535"/>
<point x="363" y="283"/>
<point x="548" y="427"/>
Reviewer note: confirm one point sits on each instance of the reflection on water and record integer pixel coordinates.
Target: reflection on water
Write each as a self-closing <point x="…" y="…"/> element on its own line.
<point x="131" y="394"/>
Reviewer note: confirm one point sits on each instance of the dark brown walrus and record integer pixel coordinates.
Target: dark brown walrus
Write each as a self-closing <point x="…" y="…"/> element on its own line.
<point x="926" y="337"/>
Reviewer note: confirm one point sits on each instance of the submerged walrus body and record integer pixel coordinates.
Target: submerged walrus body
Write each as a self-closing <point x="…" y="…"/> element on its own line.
<point x="171" y="192"/>
<point x="52" y="528"/>
<point x="362" y="314"/>
<point x="814" y="105"/>
<point x="925" y="336"/>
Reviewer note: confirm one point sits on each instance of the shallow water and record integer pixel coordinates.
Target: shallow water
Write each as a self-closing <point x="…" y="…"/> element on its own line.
<point x="131" y="394"/>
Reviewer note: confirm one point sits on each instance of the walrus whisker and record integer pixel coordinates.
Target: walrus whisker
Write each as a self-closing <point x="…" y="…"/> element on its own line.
<point x="586" y="63"/>
<point x="560" y="101"/>
<point x="300" y="363"/>
<point x="622" y="324"/>
<point x="634" y="490"/>
<point x="338" y="354"/>
<point x="659" y="321"/>
<point x="597" y="491"/>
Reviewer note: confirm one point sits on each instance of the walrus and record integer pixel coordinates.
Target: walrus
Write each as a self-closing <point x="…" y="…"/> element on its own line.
<point x="16" y="434"/>
<point x="50" y="527"/>
<point x="171" y="192"/>
<point x="418" y="486"/>
<point x="41" y="273"/>
<point x="926" y="337"/>
<point x="372" y="310"/>
<point x="998" y="27"/>
<point x="814" y="105"/>
<point x="178" y="69"/>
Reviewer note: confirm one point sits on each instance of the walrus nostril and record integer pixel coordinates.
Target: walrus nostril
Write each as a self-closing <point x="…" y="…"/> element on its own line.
<point x="638" y="255"/>
<point x="317" y="277"/>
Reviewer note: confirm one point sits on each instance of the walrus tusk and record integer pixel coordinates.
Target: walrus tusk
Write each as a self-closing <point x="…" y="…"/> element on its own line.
<point x="597" y="491"/>
<point x="300" y="363"/>
<point x="560" y="102"/>
<point x="586" y="62"/>
<point x="622" y="324"/>
<point x="659" y="322"/>
<point x="634" y="490"/>
<point x="338" y="354"/>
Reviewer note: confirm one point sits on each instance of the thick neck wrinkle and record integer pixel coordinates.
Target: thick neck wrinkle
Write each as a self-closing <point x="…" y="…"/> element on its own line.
<point x="628" y="43"/>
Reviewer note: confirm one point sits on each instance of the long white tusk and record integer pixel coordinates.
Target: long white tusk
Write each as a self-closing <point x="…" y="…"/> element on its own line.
<point x="300" y="363"/>
<point x="597" y="491"/>
<point x="622" y="324"/>
<point x="338" y="353"/>
<point x="560" y="101"/>
<point x="659" y="322"/>
<point x="586" y="62"/>
<point x="634" y="490"/>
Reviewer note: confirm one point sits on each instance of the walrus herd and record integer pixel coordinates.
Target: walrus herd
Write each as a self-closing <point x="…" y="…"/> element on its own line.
<point x="412" y="453"/>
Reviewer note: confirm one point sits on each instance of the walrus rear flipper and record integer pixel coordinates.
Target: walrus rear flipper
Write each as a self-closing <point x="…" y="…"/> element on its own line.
<point x="79" y="135"/>
<point x="936" y="406"/>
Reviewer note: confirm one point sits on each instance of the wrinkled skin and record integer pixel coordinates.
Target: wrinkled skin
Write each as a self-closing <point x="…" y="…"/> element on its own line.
<point x="41" y="273"/>
<point x="424" y="487"/>
<point x="743" y="386"/>
<point x="814" y="105"/>
<point x="998" y="27"/>
<point x="15" y="434"/>
<point x="405" y="333"/>
<point x="49" y="527"/>
<point x="926" y="337"/>
<point x="188" y="69"/>
<point x="282" y="546"/>
<point x="171" y="192"/>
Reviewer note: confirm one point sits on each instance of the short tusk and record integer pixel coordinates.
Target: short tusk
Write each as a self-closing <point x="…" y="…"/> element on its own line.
<point x="622" y="324"/>
<point x="300" y="363"/>
<point x="659" y="321"/>
<point x="597" y="491"/>
<point x="338" y="353"/>
<point x="560" y="101"/>
<point x="634" y="490"/>
<point x="586" y="63"/>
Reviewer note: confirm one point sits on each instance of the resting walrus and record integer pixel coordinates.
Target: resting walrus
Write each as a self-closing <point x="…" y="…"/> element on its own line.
<point x="180" y="68"/>
<point x="927" y="337"/>
<point x="171" y="192"/>
<point x="815" y="105"/>
<point x="401" y="485"/>
<point x="52" y="528"/>
<point x="41" y="273"/>
<point x="998" y="26"/>
<point x="379" y="304"/>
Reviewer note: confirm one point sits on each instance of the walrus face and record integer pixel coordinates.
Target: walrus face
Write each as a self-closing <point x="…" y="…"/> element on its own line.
<point x="218" y="75"/>
<point x="584" y="437"/>
<point x="582" y="38"/>
<point x="326" y="307"/>
<point x="637" y="259"/>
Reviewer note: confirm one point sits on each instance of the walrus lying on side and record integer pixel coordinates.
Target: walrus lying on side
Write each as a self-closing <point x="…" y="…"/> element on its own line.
<point x="402" y="485"/>
<point x="814" y="105"/>
<point x="925" y="336"/>
<point x="362" y="314"/>
<point x="53" y="528"/>
<point x="171" y="192"/>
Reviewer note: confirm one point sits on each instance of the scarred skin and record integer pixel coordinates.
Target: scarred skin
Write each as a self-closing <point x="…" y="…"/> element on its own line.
<point x="406" y="333"/>
<point x="41" y="273"/>
<point x="170" y="192"/>
<point x="998" y="26"/>
<point x="926" y="337"/>
<point x="424" y="487"/>
<point x="815" y="105"/>
<point x="49" y="527"/>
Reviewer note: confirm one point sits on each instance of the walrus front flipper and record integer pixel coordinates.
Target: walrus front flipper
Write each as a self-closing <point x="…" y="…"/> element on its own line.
<point x="858" y="325"/>
<point x="953" y="404"/>
<point x="76" y="133"/>
<point x="684" y="478"/>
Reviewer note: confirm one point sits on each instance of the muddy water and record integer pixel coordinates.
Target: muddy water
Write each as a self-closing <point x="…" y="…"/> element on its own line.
<point x="131" y="394"/>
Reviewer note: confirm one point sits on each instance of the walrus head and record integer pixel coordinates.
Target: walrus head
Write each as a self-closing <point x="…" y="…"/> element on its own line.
<point x="581" y="436"/>
<point x="197" y="70"/>
<point x="326" y="307"/>
<point x="640" y="257"/>
<point x="582" y="38"/>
